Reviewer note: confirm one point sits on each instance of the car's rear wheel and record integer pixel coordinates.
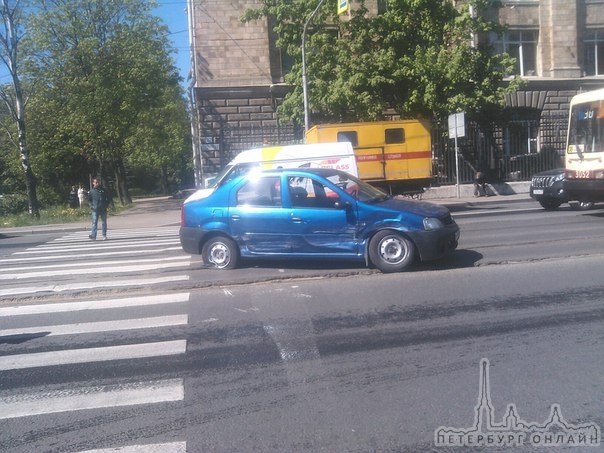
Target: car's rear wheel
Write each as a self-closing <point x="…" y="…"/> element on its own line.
<point x="390" y="251"/>
<point x="581" y="205"/>
<point x="550" y="204"/>
<point x="221" y="253"/>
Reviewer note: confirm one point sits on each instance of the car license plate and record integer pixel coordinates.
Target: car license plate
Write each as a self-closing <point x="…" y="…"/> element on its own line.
<point x="537" y="191"/>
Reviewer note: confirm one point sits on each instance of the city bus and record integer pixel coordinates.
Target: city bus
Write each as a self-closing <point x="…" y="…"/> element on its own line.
<point x="393" y="155"/>
<point x="584" y="159"/>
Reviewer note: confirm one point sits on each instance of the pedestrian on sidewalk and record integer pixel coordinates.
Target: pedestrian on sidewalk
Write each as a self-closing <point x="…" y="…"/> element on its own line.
<point x="98" y="200"/>
<point x="81" y="196"/>
<point x="480" y="184"/>
<point x="73" y="198"/>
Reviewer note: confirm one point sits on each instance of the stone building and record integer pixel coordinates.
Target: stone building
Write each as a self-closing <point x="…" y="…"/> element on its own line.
<point x="238" y="79"/>
<point x="559" y="46"/>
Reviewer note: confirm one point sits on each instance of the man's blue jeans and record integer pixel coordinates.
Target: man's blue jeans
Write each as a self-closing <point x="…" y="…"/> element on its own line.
<point x="95" y="220"/>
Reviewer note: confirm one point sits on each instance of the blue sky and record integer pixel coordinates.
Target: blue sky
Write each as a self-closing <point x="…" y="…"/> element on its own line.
<point x="174" y="14"/>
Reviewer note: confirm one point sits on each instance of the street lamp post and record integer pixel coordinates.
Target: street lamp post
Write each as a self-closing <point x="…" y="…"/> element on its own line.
<point x="304" y="81"/>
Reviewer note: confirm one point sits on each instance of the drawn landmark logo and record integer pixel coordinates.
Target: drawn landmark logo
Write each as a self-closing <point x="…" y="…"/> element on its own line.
<point x="512" y="431"/>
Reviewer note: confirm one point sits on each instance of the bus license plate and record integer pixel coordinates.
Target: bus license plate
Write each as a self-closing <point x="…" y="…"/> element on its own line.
<point x="582" y="173"/>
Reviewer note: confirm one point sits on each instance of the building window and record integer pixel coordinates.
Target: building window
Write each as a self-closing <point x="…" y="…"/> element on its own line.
<point x="594" y="53"/>
<point x="522" y="45"/>
<point x="521" y="133"/>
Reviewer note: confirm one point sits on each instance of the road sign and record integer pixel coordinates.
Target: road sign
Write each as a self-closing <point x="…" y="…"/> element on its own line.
<point x="457" y="126"/>
<point x="343" y="6"/>
<point x="457" y="129"/>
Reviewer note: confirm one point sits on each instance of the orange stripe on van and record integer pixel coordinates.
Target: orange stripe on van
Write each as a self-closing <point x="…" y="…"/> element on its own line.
<point x="395" y="156"/>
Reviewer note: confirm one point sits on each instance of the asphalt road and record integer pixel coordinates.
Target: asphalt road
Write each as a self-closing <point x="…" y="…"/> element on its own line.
<point x="305" y="359"/>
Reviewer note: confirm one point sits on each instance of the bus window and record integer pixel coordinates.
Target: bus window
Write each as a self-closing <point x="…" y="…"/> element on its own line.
<point x="348" y="136"/>
<point x="586" y="128"/>
<point x="394" y="136"/>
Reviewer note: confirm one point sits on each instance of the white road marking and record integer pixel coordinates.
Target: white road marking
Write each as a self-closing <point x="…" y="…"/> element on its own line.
<point x="96" y="255"/>
<point x="89" y="355"/>
<point x="98" y="304"/>
<point x="91" y="398"/>
<point x="99" y="326"/>
<point x="96" y="245"/>
<point x="138" y="282"/>
<point x="172" y="447"/>
<point x="94" y="264"/>
<point x="132" y="233"/>
<point x="96" y="267"/>
<point x="106" y="268"/>
<point x="295" y="343"/>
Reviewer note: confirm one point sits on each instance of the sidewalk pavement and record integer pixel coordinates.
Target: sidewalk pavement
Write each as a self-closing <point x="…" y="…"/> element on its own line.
<point x="147" y="212"/>
<point x="165" y="211"/>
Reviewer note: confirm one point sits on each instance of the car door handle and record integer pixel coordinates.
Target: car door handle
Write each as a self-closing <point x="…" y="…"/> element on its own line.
<point x="296" y="219"/>
<point x="235" y="217"/>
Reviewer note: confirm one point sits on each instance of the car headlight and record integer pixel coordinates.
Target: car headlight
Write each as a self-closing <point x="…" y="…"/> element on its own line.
<point x="432" y="223"/>
<point x="559" y="177"/>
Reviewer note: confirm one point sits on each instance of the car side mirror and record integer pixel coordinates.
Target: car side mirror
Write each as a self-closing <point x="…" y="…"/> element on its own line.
<point x="342" y="205"/>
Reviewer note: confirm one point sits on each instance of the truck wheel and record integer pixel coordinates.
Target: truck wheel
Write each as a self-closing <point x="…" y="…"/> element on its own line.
<point x="550" y="205"/>
<point x="221" y="253"/>
<point x="390" y="251"/>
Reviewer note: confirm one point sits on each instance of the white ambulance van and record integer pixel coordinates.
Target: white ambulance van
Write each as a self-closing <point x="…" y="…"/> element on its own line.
<point x="339" y="156"/>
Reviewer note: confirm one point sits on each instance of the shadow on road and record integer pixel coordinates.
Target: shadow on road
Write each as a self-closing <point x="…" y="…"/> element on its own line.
<point x="459" y="259"/>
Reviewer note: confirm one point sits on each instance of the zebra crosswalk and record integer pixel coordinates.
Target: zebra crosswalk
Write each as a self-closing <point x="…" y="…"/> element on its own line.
<point x="130" y="258"/>
<point x="43" y="344"/>
<point x="42" y="354"/>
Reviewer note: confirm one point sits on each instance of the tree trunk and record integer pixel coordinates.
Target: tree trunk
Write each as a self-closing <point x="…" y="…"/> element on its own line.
<point x="17" y="106"/>
<point x="165" y="184"/>
<point x="30" y="179"/>
<point x="122" y="183"/>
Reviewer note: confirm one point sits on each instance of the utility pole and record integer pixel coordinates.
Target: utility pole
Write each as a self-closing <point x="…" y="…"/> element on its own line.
<point x="195" y="141"/>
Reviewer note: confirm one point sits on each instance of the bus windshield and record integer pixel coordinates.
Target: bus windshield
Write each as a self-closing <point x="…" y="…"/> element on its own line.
<point x="586" y="129"/>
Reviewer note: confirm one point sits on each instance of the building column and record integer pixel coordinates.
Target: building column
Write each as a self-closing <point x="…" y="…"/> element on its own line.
<point x="559" y="38"/>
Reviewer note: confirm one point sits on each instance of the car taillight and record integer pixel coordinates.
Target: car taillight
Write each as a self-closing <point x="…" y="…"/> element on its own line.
<point x="182" y="215"/>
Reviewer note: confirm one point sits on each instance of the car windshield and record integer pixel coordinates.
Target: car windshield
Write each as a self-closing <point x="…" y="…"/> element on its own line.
<point x="357" y="188"/>
<point x="230" y="172"/>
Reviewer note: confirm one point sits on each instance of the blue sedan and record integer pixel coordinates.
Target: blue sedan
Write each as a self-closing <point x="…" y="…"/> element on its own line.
<point x="313" y="213"/>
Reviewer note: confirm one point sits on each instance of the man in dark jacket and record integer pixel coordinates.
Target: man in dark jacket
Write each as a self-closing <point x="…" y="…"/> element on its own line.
<point x="98" y="200"/>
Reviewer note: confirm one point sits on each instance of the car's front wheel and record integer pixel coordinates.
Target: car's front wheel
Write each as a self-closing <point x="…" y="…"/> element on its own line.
<point x="390" y="251"/>
<point x="221" y="253"/>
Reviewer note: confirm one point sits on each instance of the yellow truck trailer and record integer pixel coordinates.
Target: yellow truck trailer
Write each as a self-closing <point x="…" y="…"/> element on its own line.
<point x="393" y="155"/>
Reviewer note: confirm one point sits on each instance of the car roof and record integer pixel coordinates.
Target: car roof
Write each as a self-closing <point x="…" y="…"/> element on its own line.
<point x="319" y="171"/>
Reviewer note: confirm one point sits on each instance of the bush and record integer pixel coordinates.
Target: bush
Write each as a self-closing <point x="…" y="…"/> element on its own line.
<point x="136" y="192"/>
<point x="48" y="197"/>
<point x="13" y="204"/>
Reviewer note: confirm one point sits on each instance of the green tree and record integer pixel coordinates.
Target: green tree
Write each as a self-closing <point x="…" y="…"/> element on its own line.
<point x="102" y="67"/>
<point x="160" y="133"/>
<point x="13" y="94"/>
<point x="415" y="57"/>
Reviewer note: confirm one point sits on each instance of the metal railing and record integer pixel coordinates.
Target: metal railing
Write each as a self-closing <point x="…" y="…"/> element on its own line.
<point x="514" y="151"/>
